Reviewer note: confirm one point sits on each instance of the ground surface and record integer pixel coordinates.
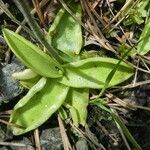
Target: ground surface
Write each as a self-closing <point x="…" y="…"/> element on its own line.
<point x="101" y="132"/>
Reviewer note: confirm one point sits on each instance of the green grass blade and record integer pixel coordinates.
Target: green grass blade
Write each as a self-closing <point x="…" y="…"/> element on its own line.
<point x="126" y="131"/>
<point x="100" y="103"/>
<point x="9" y="14"/>
<point x="112" y="73"/>
<point x="24" y="8"/>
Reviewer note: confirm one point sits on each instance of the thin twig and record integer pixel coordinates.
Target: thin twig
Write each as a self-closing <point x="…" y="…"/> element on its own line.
<point x="7" y="112"/>
<point x="97" y="15"/>
<point x="119" y="13"/>
<point x="39" y="12"/>
<point x="119" y="101"/>
<point x="135" y="85"/>
<point x="136" y="73"/>
<point x="13" y="144"/>
<point x="126" y="104"/>
<point x="42" y="4"/>
<point x="108" y="3"/>
<point x="23" y="7"/>
<point x="11" y="124"/>
<point x="145" y="64"/>
<point x="84" y="135"/>
<point x="37" y="139"/>
<point x="66" y="143"/>
<point x="100" y="36"/>
<point x="107" y="133"/>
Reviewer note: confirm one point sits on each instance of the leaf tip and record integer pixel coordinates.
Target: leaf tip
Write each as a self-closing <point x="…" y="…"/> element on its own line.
<point x="4" y="30"/>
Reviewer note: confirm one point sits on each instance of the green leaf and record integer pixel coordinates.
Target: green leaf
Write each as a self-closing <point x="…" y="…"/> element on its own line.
<point x="38" y="105"/>
<point x="100" y="102"/>
<point x="74" y="115"/>
<point x="23" y="6"/>
<point x="28" y="84"/>
<point x="92" y="73"/>
<point x="26" y="74"/>
<point x="63" y="113"/>
<point x="78" y="100"/>
<point x="27" y="78"/>
<point x="65" y="33"/>
<point x="32" y="56"/>
<point x="143" y="46"/>
<point x="136" y="13"/>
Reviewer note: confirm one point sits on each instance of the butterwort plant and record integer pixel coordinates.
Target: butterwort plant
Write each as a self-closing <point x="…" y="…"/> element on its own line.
<point x="52" y="85"/>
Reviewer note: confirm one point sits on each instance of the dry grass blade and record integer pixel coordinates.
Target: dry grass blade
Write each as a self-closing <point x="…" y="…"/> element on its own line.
<point x="4" y="116"/>
<point x="134" y="66"/>
<point x="92" y="138"/>
<point x="136" y="73"/>
<point x="96" y="14"/>
<point x="119" y="13"/>
<point x="124" y="103"/>
<point x="91" y="142"/>
<point x="96" y="3"/>
<point x="121" y="29"/>
<point x="97" y="33"/>
<point x="42" y="3"/>
<point x="144" y="63"/>
<point x="107" y="133"/>
<point x="10" y="124"/>
<point x="135" y="85"/>
<point x="65" y="140"/>
<point x="13" y="144"/>
<point x="119" y="101"/>
<point x="39" y="12"/>
<point x="7" y="112"/>
<point x="37" y="139"/>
